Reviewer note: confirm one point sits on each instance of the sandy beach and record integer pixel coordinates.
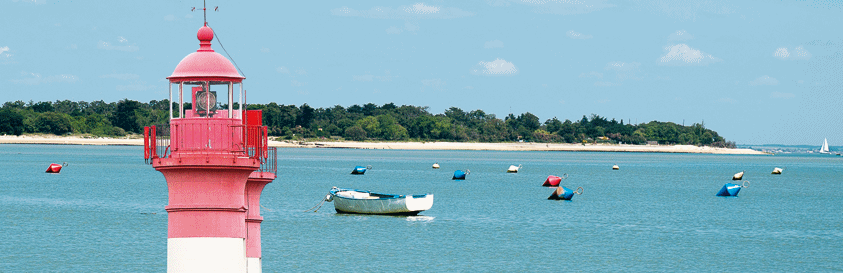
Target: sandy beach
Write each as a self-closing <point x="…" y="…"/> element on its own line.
<point x="70" y="140"/>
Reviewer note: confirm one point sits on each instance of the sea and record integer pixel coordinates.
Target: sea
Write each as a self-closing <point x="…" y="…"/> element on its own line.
<point x="105" y="212"/>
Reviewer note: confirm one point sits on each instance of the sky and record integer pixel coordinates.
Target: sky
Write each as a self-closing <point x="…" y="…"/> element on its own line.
<point x="757" y="72"/>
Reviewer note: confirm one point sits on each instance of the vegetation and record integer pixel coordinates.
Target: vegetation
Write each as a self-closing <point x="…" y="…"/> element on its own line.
<point x="370" y="121"/>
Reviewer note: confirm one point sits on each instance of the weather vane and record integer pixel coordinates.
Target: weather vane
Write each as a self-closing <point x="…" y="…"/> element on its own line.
<point x="204" y="11"/>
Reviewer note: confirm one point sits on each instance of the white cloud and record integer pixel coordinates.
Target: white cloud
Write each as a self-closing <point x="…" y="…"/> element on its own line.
<point x="393" y="30"/>
<point x="592" y="74"/>
<point x="798" y="53"/>
<point x="408" y="26"/>
<point x="468" y="87"/>
<point x="780" y="95"/>
<point x="493" y="44"/>
<point x="682" y="54"/>
<point x="605" y="84"/>
<point x="416" y="11"/>
<point x="363" y="78"/>
<point x="623" y="66"/>
<point x="282" y="70"/>
<point x="436" y="84"/>
<point x="109" y="46"/>
<point x="124" y="76"/>
<point x="188" y="16"/>
<point x="567" y="7"/>
<point x="624" y="71"/>
<point x="37" y="2"/>
<point x="421" y="8"/>
<point x="297" y="83"/>
<point x="498" y="67"/>
<point x="576" y="35"/>
<point x="137" y="86"/>
<point x="170" y="17"/>
<point x="685" y="9"/>
<point x="764" y="80"/>
<point x="680" y="35"/>
<point x="5" y="58"/>
<point x="31" y="78"/>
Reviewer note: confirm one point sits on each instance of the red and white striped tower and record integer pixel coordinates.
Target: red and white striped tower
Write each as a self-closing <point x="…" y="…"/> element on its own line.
<point x="207" y="154"/>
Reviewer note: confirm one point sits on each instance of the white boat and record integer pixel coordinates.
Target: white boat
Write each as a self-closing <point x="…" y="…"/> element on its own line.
<point x="738" y="176"/>
<point x="436" y="165"/>
<point x="824" y="148"/>
<point x="513" y="168"/>
<point x="777" y="170"/>
<point x="366" y="202"/>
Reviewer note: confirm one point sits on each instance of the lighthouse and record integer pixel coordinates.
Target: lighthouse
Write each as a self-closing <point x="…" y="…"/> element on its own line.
<point x="216" y="161"/>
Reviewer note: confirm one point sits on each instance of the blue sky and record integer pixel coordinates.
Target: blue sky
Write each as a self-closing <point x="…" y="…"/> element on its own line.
<point x="755" y="71"/>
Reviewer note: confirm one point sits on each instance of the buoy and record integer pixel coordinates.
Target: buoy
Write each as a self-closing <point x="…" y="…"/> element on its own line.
<point x="460" y="175"/>
<point x="738" y="176"/>
<point x="553" y="181"/>
<point x="777" y="171"/>
<point x="731" y="189"/>
<point x="55" y="168"/>
<point x="616" y="167"/>
<point x="361" y="169"/>
<point x="436" y="165"/>
<point x="563" y="193"/>
<point x="513" y="168"/>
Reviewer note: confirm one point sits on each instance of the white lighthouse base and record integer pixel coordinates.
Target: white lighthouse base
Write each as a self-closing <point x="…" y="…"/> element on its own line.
<point x="254" y="265"/>
<point x="204" y="254"/>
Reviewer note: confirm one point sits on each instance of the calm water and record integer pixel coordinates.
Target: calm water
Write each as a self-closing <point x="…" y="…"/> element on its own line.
<point x="105" y="212"/>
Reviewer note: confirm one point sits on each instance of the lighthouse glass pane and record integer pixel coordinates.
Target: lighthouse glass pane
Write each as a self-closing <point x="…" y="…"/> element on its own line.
<point x="207" y="100"/>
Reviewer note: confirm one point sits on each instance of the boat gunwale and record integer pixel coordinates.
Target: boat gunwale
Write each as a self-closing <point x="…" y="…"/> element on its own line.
<point x="379" y="196"/>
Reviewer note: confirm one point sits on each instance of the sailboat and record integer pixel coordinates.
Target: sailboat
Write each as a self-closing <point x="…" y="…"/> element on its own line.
<point x="824" y="148"/>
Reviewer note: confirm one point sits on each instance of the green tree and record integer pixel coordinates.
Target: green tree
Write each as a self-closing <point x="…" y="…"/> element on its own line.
<point x="11" y="122"/>
<point x="355" y="133"/>
<point x="54" y="123"/>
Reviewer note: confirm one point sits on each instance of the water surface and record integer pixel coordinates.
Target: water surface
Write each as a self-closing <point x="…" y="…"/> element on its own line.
<point x="105" y="212"/>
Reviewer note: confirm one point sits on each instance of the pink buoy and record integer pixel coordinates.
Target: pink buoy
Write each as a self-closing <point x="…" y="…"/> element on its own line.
<point x="553" y="181"/>
<point x="55" y="167"/>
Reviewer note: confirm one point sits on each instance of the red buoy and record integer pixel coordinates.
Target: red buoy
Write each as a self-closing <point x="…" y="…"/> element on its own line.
<point x="553" y="181"/>
<point x="55" y="168"/>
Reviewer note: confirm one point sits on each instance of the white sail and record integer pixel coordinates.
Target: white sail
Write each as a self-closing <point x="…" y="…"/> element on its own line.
<point x="824" y="148"/>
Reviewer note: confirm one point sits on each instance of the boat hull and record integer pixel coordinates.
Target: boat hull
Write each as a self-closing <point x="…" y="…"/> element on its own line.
<point x="364" y="202"/>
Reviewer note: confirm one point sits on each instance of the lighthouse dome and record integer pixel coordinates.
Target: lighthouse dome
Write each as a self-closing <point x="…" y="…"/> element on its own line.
<point x="205" y="64"/>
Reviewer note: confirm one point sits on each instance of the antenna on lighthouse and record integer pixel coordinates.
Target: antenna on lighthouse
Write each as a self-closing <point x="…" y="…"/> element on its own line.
<point x="205" y="12"/>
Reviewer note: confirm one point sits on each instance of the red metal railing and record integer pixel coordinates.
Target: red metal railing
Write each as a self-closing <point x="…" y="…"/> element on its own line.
<point x="188" y="137"/>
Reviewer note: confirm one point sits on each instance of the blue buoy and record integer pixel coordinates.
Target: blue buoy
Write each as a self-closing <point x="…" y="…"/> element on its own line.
<point x="563" y="193"/>
<point x="731" y="189"/>
<point x="460" y="175"/>
<point x="361" y="169"/>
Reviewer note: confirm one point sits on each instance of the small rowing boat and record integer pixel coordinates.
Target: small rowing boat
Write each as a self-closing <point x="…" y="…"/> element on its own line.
<point x="366" y="202"/>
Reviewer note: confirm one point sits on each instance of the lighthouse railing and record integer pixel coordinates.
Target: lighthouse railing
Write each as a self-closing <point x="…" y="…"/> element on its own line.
<point x="202" y="137"/>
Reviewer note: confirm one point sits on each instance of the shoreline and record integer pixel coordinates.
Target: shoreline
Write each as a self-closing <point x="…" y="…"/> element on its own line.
<point x="443" y="146"/>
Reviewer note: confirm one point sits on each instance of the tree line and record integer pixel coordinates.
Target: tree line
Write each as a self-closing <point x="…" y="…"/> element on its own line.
<point x="366" y="122"/>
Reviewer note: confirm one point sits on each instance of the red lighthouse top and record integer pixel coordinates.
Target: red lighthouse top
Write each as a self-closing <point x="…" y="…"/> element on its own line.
<point x="205" y="64"/>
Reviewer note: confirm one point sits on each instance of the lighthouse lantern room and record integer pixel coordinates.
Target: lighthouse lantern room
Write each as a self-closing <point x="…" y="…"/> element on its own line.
<point x="214" y="156"/>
